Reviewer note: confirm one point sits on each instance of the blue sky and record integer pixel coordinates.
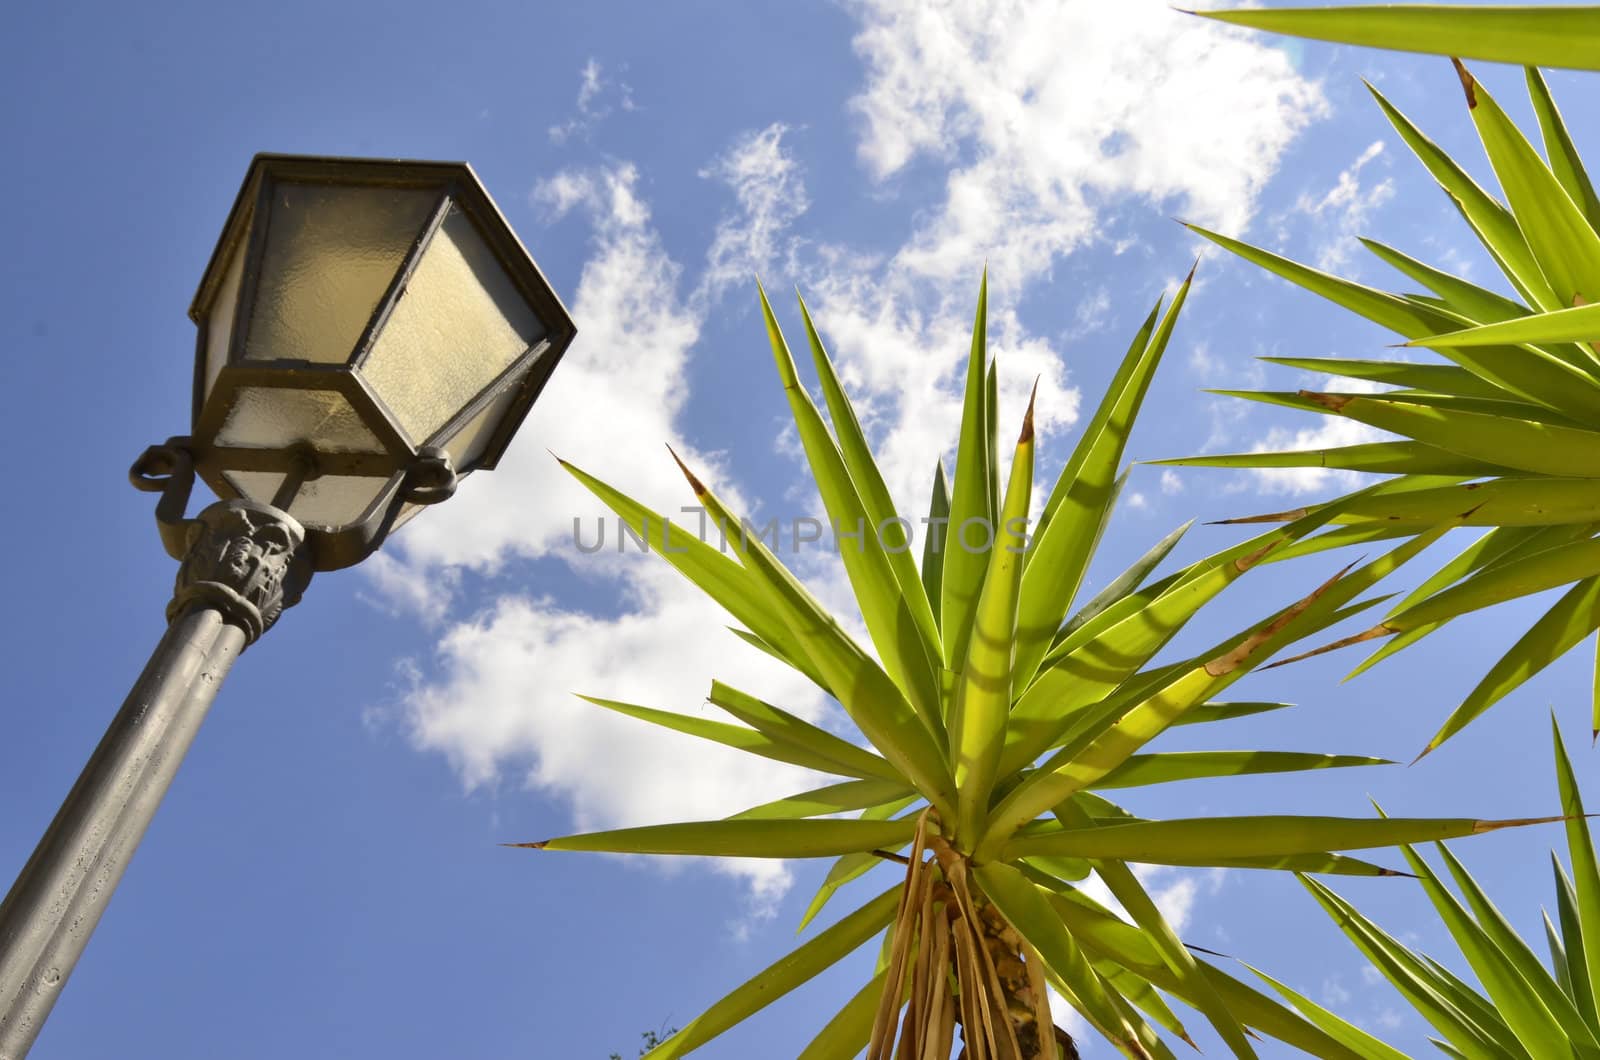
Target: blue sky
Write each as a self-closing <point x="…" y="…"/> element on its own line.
<point x="324" y="879"/>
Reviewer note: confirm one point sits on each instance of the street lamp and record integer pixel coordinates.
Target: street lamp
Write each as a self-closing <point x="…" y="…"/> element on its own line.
<point x="370" y="331"/>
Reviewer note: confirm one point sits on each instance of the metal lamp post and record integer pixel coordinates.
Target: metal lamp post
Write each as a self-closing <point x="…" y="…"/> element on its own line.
<point x="370" y="331"/>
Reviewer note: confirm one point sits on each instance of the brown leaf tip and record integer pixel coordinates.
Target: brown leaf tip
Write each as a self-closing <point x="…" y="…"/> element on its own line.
<point x="1358" y="638"/>
<point x="1269" y="517"/>
<point x="1468" y="84"/>
<point x="540" y="845"/>
<point x="694" y="483"/>
<point x="1230" y="661"/>
<point x="1027" y="419"/>
<point x="1332" y="402"/>
<point x="1516" y="822"/>
<point x="1244" y="563"/>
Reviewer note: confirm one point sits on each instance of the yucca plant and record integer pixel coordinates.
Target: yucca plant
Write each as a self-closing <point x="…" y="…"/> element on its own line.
<point x="999" y="719"/>
<point x="1522" y="1009"/>
<point x="1502" y="431"/>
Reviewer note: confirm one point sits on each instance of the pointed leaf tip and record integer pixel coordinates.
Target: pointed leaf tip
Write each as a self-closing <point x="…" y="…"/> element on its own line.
<point x="1375" y="632"/>
<point x="540" y="845"/>
<point x="1231" y="660"/>
<point x="1519" y="822"/>
<point x="1244" y="563"/>
<point x="1269" y="517"/>
<point x="1468" y="84"/>
<point x="1027" y="418"/>
<point x="694" y="483"/>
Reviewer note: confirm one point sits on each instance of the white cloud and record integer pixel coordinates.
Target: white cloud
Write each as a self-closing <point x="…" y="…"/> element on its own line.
<point x="502" y="697"/>
<point x="1043" y="109"/>
<point x="1202" y="362"/>
<point x="1092" y="312"/>
<point x="590" y="88"/>
<point x="1214" y="370"/>
<point x="1173" y="890"/>
<point x="1171" y="482"/>
<point x="771" y="193"/>
<point x="401" y="591"/>
<point x="598" y="97"/>
<point x="1341" y="213"/>
<point x="1332" y="433"/>
<point x="503" y="703"/>
<point x="1044" y="114"/>
<point x="1334" y="993"/>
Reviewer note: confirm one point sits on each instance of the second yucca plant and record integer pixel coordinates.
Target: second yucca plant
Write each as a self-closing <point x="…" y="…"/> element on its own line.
<point x="1502" y="431"/>
<point x="999" y="712"/>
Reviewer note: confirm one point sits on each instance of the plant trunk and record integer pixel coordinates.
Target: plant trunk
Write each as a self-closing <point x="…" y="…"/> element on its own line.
<point x="955" y="961"/>
<point x="1011" y="959"/>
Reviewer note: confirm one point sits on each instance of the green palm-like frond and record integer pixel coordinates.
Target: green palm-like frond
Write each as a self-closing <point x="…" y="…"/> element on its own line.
<point x="1504" y="431"/>
<point x="1526" y="35"/>
<point x="1523" y="1006"/>
<point x="999" y="709"/>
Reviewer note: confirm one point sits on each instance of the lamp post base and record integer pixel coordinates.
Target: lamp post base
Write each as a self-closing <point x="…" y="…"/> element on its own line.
<point x="242" y="565"/>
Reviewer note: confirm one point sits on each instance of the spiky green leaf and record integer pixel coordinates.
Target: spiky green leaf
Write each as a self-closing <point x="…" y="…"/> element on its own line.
<point x="1527" y="36"/>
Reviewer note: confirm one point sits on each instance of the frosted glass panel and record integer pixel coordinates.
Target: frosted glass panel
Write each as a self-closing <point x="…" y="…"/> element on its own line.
<point x="459" y="324"/>
<point x="332" y="501"/>
<point x="335" y="500"/>
<point x="330" y="255"/>
<point x="272" y="418"/>
<point x="407" y="513"/>
<point x="469" y="442"/>
<point x="219" y="318"/>
<point x="258" y="486"/>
